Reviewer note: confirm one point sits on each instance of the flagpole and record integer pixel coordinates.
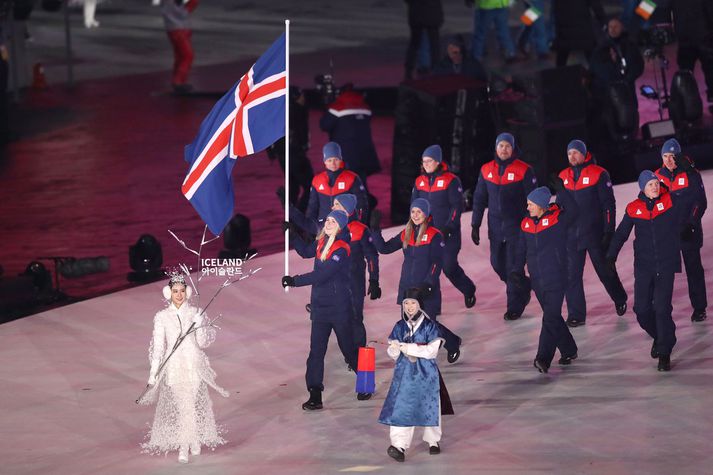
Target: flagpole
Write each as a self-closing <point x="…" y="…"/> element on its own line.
<point x="287" y="146"/>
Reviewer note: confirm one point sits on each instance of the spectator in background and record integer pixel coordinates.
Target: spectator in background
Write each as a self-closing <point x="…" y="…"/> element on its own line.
<point x="423" y="15"/>
<point x="493" y="12"/>
<point x="176" y="19"/>
<point x="615" y="65"/>
<point x="574" y="30"/>
<point x="348" y="123"/>
<point x="693" y="22"/>
<point x="457" y="61"/>
<point x="536" y="34"/>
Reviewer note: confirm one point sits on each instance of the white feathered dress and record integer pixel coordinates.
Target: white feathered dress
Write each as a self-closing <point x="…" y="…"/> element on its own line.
<point x="184" y="411"/>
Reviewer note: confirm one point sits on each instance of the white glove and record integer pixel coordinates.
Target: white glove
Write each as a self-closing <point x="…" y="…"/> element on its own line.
<point x="393" y="350"/>
<point x="198" y="319"/>
<point x="152" y="379"/>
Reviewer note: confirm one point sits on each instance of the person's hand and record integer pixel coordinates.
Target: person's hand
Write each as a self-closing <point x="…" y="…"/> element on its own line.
<point x="556" y="184"/>
<point x="688" y="232"/>
<point x="152" y="380"/>
<point x="606" y="240"/>
<point x="425" y="290"/>
<point x="475" y="235"/>
<point x="285" y="226"/>
<point x="682" y="162"/>
<point x="374" y="290"/>
<point x="288" y="281"/>
<point x="447" y="231"/>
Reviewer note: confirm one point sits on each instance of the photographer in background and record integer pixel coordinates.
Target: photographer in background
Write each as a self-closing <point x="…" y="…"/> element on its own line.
<point x="693" y="22"/>
<point x="615" y="65"/>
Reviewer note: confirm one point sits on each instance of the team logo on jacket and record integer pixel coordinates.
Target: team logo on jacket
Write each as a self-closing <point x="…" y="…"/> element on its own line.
<point x="490" y="175"/>
<point x="340" y="185"/>
<point x="439" y="183"/>
<point x="566" y="181"/>
<point x="681" y="181"/>
<point x="511" y="176"/>
<point x="638" y="211"/>
<point x="545" y="222"/>
<point x="422" y="183"/>
<point x="660" y="206"/>
<point x="335" y="257"/>
<point x="424" y="238"/>
<point x="321" y="187"/>
<point x="585" y="180"/>
<point x="527" y="225"/>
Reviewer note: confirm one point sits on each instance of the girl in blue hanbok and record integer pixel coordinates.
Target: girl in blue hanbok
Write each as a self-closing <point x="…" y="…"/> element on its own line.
<point x="417" y="396"/>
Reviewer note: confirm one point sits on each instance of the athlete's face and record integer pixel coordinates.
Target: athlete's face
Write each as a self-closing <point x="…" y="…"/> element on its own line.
<point x="575" y="157"/>
<point x="534" y="210"/>
<point x="411" y="306"/>
<point x="652" y="189"/>
<point x="417" y="216"/>
<point x="669" y="161"/>
<point x="330" y="226"/>
<point x="178" y="295"/>
<point x="503" y="150"/>
<point x="429" y="164"/>
<point x="332" y="164"/>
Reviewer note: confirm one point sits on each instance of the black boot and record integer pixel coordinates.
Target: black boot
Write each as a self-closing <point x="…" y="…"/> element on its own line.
<point x="315" y="400"/>
<point x="664" y="363"/>
<point x="396" y="454"/>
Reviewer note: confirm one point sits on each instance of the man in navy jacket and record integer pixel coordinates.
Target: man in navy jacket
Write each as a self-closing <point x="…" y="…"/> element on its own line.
<point x="503" y="186"/>
<point x="684" y="182"/>
<point x="590" y="186"/>
<point x="542" y="244"/>
<point x="656" y="220"/>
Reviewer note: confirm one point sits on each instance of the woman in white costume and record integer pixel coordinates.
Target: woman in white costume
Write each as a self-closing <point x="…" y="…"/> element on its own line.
<point x="90" y="8"/>
<point x="184" y="419"/>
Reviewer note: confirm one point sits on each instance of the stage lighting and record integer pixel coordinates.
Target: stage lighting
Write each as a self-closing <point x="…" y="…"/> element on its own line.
<point x="145" y="259"/>
<point x="685" y="106"/>
<point x="237" y="238"/>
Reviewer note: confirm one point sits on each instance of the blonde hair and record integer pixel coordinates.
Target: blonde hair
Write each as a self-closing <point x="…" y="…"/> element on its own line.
<point x="408" y="232"/>
<point x="328" y="245"/>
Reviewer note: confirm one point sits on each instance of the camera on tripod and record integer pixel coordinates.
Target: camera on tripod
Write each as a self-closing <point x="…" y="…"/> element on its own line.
<point x="655" y="38"/>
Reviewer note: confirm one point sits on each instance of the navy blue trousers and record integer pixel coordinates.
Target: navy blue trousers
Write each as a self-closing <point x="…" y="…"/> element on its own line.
<point x="502" y="258"/>
<point x="319" y="339"/>
<point x="696" y="278"/>
<point x="452" y="270"/>
<point x="652" y="306"/>
<point x="576" y="302"/>
<point x="555" y="334"/>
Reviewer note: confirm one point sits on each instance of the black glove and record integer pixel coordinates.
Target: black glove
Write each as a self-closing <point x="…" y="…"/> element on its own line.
<point x="374" y="289"/>
<point x="285" y="226"/>
<point x="475" y="235"/>
<point x="688" y="232"/>
<point x="375" y="220"/>
<point x="611" y="264"/>
<point x="606" y="240"/>
<point x="519" y="280"/>
<point x="556" y="184"/>
<point x="288" y="281"/>
<point x="425" y="290"/>
<point x="280" y="192"/>
<point x="682" y="163"/>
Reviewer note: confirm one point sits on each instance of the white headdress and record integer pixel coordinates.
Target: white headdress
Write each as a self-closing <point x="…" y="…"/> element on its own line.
<point x="176" y="277"/>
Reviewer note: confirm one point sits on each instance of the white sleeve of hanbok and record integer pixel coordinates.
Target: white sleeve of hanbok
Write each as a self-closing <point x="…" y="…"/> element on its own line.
<point x="393" y="350"/>
<point x="157" y="347"/>
<point x="205" y="335"/>
<point x="428" y="352"/>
